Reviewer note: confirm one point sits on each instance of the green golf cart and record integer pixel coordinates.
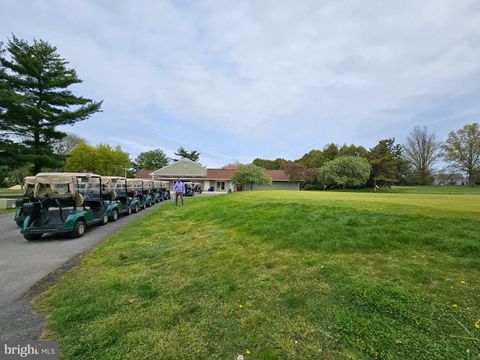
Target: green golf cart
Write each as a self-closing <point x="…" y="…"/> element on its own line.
<point x="148" y="192"/>
<point x="157" y="191"/>
<point x="115" y="197"/>
<point x="28" y="188"/>
<point x="67" y="203"/>
<point x="164" y="190"/>
<point x="135" y="192"/>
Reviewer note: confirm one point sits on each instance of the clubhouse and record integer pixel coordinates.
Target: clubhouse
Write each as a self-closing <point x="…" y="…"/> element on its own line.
<point x="213" y="179"/>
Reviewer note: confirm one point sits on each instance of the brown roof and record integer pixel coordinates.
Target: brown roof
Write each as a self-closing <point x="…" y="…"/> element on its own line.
<point x="143" y="174"/>
<point x="221" y="174"/>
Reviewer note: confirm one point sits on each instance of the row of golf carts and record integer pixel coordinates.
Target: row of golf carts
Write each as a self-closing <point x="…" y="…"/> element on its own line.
<point x="70" y="202"/>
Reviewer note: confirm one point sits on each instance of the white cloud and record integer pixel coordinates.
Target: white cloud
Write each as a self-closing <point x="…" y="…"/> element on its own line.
<point x="265" y="73"/>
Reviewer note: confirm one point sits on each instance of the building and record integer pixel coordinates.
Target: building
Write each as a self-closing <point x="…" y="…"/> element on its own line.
<point x="449" y="179"/>
<point x="213" y="179"/>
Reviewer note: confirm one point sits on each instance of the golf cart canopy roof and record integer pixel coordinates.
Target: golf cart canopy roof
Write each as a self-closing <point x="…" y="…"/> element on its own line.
<point x="112" y="179"/>
<point x="28" y="184"/>
<point x="62" y="184"/>
<point x="62" y="178"/>
<point x="29" y="180"/>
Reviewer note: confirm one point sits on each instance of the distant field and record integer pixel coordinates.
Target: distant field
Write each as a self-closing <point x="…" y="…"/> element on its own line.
<point x="429" y="189"/>
<point x="434" y="189"/>
<point x="280" y="275"/>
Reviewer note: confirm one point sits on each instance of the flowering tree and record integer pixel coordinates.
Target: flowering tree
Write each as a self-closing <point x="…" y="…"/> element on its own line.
<point x="250" y="174"/>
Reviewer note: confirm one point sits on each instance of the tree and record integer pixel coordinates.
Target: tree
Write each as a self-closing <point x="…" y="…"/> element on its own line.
<point x="231" y="165"/>
<point x="345" y="171"/>
<point x="330" y="151"/>
<point x="102" y="160"/>
<point x="250" y="174"/>
<point x="403" y="170"/>
<point x="193" y="155"/>
<point x="383" y="163"/>
<point x="35" y="100"/>
<point x="299" y="172"/>
<point x="151" y="160"/>
<point x="65" y="146"/>
<point x="312" y="159"/>
<point x="269" y="164"/>
<point x="462" y="150"/>
<point x="352" y="150"/>
<point x="422" y="150"/>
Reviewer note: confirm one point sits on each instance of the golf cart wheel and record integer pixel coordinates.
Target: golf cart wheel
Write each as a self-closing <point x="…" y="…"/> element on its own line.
<point x="32" y="237"/>
<point x="114" y="216"/>
<point x="147" y="204"/>
<point x="104" y="219"/>
<point x="79" y="229"/>
<point x="136" y="209"/>
<point x="129" y="210"/>
<point x="19" y="223"/>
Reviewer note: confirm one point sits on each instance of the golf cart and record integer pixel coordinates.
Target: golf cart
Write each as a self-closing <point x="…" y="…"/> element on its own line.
<point x="189" y="189"/>
<point x="197" y="188"/>
<point x="66" y="203"/>
<point x="148" y="192"/>
<point x="115" y="196"/>
<point x="165" y="192"/>
<point x="157" y="191"/>
<point x="27" y="187"/>
<point x="135" y="192"/>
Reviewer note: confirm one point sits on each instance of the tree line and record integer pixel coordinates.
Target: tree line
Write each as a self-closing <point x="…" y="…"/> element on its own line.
<point x="35" y="100"/>
<point x="388" y="162"/>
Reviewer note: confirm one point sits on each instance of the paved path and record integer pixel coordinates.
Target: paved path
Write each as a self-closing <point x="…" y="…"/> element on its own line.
<point x="23" y="263"/>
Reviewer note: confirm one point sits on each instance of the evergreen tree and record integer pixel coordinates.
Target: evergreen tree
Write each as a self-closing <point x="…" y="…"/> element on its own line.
<point x="313" y="159"/>
<point x="330" y="151"/>
<point x="193" y="155"/>
<point x="269" y="164"/>
<point x="35" y="100"/>
<point x="383" y="163"/>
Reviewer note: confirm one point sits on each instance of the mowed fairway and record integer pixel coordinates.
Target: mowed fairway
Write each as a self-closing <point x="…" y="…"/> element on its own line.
<point x="280" y="275"/>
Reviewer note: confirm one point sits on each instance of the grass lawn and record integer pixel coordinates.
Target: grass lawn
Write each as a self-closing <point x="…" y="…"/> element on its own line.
<point x="280" y="275"/>
<point x="10" y="191"/>
<point x="426" y="189"/>
<point x="7" y="211"/>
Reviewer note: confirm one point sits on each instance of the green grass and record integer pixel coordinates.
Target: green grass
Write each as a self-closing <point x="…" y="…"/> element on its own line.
<point x="10" y="191"/>
<point x="7" y="211"/>
<point x="434" y="189"/>
<point x="426" y="189"/>
<point x="319" y="275"/>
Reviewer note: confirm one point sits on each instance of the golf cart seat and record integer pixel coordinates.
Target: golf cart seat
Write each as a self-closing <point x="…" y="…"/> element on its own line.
<point x="56" y="195"/>
<point x="78" y="200"/>
<point x="110" y="195"/>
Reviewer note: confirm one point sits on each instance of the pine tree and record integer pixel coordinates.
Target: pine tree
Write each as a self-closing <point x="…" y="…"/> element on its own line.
<point x="383" y="163"/>
<point x="193" y="155"/>
<point x="35" y="100"/>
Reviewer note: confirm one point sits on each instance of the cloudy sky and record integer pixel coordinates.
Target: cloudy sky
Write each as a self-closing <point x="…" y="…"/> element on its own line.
<point x="241" y="79"/>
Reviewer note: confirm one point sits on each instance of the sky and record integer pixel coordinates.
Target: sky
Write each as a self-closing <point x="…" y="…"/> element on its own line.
<point x="237" y="80"/>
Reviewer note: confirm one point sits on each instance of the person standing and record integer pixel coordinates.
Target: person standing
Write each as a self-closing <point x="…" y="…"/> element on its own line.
<point x="179" y="188"/>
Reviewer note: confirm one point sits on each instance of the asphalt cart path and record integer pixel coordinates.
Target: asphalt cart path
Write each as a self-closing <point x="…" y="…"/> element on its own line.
<point x="26" y="263"/>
